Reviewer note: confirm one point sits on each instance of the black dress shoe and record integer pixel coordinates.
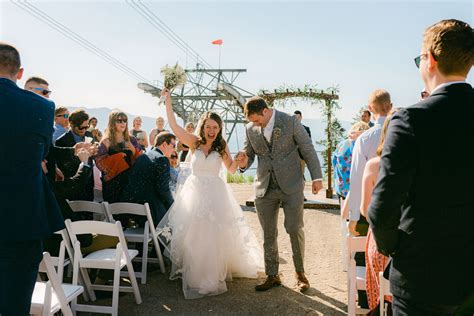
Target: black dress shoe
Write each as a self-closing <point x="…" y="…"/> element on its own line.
<point x="271" y="281"/>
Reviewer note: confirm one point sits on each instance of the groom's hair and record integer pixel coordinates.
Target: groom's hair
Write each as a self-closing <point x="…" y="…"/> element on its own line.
<point x="163" y="137"/>
<point x="255" y="105"/>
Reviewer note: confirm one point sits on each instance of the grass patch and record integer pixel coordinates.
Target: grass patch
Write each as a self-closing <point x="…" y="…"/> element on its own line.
<point x="239" y="178"/>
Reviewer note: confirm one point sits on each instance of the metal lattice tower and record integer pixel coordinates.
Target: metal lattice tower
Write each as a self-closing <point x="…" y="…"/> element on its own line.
<point x="208" y="90"/>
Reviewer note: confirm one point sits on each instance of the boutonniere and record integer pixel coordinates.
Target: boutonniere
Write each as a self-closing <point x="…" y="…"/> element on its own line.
<point x="276" y="133"/>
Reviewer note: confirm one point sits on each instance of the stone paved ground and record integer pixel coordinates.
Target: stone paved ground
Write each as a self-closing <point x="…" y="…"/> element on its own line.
<point x="327" y="295"/>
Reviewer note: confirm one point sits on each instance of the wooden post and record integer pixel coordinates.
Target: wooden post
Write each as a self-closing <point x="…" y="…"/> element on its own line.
<point x="329" y="152"/>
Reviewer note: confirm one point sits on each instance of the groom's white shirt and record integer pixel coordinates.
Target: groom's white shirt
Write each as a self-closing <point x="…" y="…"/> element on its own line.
<point x="268" y="130"/>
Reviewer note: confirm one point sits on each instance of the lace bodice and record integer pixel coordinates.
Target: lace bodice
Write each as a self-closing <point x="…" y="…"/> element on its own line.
<point x="206" y="166"/>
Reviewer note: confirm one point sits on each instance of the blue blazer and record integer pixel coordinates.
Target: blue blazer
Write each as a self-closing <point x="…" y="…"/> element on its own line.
<point x="421" y="213"/>
<point x="148" y="181"/>
<point x="28" y="209"/>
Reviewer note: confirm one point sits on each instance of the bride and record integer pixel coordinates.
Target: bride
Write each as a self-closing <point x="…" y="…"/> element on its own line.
<point x="205" y="232"/>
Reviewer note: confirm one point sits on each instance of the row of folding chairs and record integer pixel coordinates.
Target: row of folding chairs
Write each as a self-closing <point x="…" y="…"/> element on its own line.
<point x="356" y="275"/>
<point x="50" y="296"/>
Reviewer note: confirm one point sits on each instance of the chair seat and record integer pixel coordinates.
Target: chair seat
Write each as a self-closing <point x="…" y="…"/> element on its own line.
<point x="105" y="259"/>
<point x="37" y="300"/>
<point x="360" y="278"/>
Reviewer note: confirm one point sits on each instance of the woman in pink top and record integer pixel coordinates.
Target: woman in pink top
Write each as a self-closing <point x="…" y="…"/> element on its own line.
<point x="374" y="260"/>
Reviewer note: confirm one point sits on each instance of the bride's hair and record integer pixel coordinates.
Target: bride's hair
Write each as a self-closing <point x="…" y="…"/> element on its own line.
<point x="219" y="144"/>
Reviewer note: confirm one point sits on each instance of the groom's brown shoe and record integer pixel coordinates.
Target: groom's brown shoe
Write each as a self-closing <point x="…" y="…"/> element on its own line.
<point x="271" y="281"/>
<point x="302" y="282"/>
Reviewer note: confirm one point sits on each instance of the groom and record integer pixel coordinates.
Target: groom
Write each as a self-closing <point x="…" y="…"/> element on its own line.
<point x="275" y="138"/>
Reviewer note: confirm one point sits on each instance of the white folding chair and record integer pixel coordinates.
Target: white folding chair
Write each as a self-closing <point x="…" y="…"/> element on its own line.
<point x="51" y="296"/>
<point x="112" y="259"/>
<point x="383" y="291"/>
<point x="355" y="274"/>
<point x="97" y="209"/>
<point x="142" y="235"/>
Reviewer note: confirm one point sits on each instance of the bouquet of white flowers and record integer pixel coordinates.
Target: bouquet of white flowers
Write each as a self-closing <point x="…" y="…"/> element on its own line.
<point x="174" y="76"/>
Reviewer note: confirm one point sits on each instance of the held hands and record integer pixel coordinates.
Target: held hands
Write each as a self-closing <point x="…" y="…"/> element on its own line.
<point x="317" y="185"/>
<point x="242" y="159"/>
<point x="83" y="155"/>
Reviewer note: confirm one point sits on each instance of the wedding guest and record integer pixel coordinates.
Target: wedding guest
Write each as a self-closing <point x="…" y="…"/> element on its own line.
<point x="417" y="214"/>
<point x="375" y="261"/>
<point x="150" y="177"/>
<point x="342" y="158"/>
<point x="94" y="130"/>
<point x="28" y="212"/>
<point x="39" y="86"/>
<point x="189" y="127"/>
<point x="174" y="165"/>
<point x="117" y="153"/>
<point x="61" y="122"/>
<point x="138" y="133"/>
<point x="160" y="127"/>
<point x="69" y="163"/>
<point x="365" y="148"/>
<point x="366" y="118"/>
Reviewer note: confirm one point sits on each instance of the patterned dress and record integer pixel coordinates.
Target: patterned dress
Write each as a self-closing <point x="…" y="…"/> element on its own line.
<point x="375" y="263"/>
<point x="341" y="160"/>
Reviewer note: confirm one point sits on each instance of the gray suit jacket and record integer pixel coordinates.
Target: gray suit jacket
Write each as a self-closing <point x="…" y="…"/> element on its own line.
<point x="287" y="137"/>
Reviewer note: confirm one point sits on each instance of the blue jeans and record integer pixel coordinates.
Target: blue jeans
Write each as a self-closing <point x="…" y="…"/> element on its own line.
<point x="19" y="263"/>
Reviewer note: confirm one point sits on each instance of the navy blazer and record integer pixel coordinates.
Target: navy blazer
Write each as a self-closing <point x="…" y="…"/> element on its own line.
<point x="422" y="213"/>
<point x="148" y="181"/>
<point x="28" y="209"/>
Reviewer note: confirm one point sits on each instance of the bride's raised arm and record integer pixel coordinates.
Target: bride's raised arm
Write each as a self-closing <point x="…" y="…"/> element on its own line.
<point x="230" y="164"/>
<point x="184" y="136"/>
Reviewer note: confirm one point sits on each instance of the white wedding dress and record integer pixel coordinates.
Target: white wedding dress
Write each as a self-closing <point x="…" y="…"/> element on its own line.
<point x="205" y="233"/>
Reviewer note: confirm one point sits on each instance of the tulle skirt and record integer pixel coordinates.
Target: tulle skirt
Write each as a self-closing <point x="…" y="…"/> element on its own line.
<point x="208" y="239"/>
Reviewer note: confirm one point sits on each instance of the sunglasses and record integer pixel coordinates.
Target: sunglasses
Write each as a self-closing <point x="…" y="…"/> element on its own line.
<point x="44" y="92"/>
<point x="120" y="121"/>
<point x="417" y="59"/>
<point x="174" y="157"/>
<point x="81" y="128"/>
<point x="63" y="115"/>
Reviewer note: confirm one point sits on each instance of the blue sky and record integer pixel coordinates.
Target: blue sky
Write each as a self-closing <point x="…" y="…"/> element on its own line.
<point x="359" y="46"/>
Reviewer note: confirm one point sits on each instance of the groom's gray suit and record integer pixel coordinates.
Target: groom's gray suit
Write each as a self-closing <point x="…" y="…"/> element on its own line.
<point x="280" y="180"/>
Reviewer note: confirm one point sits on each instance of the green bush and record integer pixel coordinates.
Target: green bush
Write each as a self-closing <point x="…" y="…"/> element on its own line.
<point x="239" y="178"/>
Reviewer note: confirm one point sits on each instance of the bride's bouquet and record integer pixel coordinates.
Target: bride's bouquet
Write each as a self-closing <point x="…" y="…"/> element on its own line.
<point x="174" y="76"/>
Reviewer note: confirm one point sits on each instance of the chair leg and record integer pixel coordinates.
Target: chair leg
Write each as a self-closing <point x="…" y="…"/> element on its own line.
<point x="144" y="262"/>
<point x="133" y="279"/>
<point x="116" y="286"/>
<point x="158" y="253"/>
<point x="88" y="284"/>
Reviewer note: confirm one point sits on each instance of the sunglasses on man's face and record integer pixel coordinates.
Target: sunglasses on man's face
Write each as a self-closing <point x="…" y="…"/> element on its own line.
<point x="44" y="92"/>
<point x="120" y="121"/>
<point x="66" y="115"/>
<point x="81" y="128"/>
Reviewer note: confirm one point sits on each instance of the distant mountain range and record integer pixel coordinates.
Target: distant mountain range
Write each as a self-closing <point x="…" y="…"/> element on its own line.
<point x="102" y="114"/>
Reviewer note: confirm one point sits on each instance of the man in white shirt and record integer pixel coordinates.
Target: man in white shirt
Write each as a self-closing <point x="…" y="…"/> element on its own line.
<point x="364" y="149"/>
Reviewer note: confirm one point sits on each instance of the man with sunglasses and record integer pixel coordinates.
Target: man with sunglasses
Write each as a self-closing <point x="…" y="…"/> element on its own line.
<point x="28" y="209"/>
<point x="69" y="164"/>
<point x="61" y="122"/>
<point x="39" y="86"/>
<point x="421" y="212"/>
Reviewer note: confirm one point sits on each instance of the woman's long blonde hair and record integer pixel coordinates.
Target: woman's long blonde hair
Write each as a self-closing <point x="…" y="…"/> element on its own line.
<point x="383" y="135"/>
<point x="111" y="130"/>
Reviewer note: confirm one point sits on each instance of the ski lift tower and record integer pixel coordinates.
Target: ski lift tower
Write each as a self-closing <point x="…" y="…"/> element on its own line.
<point x="208" y="90"/>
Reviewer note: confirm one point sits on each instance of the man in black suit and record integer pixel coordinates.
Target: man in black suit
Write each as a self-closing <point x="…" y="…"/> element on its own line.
<point x="68" y="164"/>
<point x="422" y="212"/>
<point x="28" y="211"/>
<point x="150" y="176"/>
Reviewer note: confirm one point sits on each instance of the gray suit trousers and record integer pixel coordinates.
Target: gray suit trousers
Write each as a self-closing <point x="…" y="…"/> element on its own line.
<point x="268" y="208"/>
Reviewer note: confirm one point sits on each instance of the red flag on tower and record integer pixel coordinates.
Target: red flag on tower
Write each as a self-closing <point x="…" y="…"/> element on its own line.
<point x="217" y="42"/>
